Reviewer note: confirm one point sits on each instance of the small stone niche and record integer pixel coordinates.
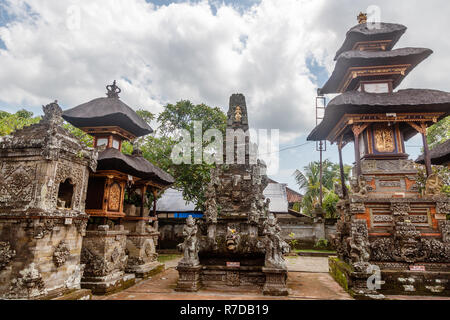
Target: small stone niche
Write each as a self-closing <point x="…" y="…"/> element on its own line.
<point x="65" y="194"/>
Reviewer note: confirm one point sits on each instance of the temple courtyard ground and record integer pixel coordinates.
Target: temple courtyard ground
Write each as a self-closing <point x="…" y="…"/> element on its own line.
<point x="308" y="279"/>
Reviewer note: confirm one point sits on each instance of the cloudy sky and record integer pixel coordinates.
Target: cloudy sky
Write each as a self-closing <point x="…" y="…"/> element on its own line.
<point x="276" y="52"/>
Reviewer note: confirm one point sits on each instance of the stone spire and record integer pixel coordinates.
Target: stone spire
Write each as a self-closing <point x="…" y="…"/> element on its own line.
<point x="237" y="112"/>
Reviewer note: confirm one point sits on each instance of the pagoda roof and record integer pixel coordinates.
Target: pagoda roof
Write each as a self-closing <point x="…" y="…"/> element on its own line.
<point x="361" y="33"/>
<point x="439" y="155"/>
<point x="385" y="59"/>
<point x="103" y="112"/>
<point x="135" y="165"/>
<point x="402" y="101"/>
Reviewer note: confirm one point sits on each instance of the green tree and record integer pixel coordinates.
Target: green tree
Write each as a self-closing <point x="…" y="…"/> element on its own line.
<point x="10" y="122"/>
<point x="190" y="178"/>
<point x="438" y="132"/>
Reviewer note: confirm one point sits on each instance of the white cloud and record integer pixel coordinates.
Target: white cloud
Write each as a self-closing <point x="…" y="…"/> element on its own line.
<point x="184" y="51"/>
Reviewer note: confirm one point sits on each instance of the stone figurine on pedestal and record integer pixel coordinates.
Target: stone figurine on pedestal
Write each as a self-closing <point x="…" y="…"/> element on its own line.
<point x="189" y="266"/>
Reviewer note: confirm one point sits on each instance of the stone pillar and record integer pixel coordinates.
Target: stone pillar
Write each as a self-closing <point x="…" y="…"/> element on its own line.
<point x="141" y="248"/>
<point x="104" y="255"/>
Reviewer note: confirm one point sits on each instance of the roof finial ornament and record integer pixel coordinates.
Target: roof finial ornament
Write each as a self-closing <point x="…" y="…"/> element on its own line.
<point x="113" y="90"/>
<point x="362" y="18"/>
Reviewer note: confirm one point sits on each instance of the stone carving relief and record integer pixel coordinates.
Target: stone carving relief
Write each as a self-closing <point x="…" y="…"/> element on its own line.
<point x="357" y="207"/>
<point x="433" y="185"/>
<point x="400" y="208"/>
<point x="29" y="284"/>
<point x="210" y="204"/>
<point x="190" y="245"/>
<point x="275" y="245"/>
<point x="443" y="207"/>
<point x="408" y="246"/>
<point x="80" y="224"/>
<point x="17" y="183"/>
<point x="444" y="227"/>
<point x="40" y="229"/>
<point x="6" y="254"/>
<point x="61" y="254"/>
<point x="94" y="264"/>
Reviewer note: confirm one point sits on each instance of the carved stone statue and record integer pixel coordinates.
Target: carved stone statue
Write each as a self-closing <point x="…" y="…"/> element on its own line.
<point x="232" y="239"/>
<point x="253" y="215"/>
<point x="338" y="190"/>
<point x="359" y="246"/>
<point x="275" y="245"/>
<point x="190" y="245"/>
<point x="210" y="204"/>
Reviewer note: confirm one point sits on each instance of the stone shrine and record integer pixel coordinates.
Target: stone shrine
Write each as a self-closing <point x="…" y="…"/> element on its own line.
<point x="391" y="239"/>
<point x="43" y="180"/>
<point x="238" y="242"/>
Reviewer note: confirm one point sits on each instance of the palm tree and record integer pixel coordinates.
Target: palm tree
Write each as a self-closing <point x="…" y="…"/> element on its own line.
<point x="309" y="181"/>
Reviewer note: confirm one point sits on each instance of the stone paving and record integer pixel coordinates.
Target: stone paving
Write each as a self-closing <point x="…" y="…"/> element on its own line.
<point x="308" y="280"/>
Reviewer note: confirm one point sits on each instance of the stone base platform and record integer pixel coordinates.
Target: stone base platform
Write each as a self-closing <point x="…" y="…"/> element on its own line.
<point x="270" y="281"/>
<point x="146" y="270"/>
<point x="275" y="284"/>
<point x="109" y="284"/>
<point x="394" y="281"/>
<point x="81" y="294"/>
<point x="189" y="279"/>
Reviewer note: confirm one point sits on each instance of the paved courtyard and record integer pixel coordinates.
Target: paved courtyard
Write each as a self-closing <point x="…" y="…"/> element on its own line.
<point x="308" y="280"/>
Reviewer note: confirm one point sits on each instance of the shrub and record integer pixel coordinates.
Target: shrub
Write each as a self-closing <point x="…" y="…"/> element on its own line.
<point x="321" y="244"/>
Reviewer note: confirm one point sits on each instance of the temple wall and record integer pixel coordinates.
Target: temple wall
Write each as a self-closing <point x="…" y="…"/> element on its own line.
<point x="53" y="248"/>
<point x="305" y="231"/>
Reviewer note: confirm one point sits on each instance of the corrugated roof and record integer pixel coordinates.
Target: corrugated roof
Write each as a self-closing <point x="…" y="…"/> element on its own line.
<point x="172" y="201"/>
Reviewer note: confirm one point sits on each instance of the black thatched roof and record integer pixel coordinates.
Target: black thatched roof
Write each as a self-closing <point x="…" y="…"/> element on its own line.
<point x="355" y="102"/>
<point x="360" y="33"/>
<point x="113" y="159"/>
<point x="107" y="112"/>
<point x="439" y="155"/>
<point x="356" y="58"/>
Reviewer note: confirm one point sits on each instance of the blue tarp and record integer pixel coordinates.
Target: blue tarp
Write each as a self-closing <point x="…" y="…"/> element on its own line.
<point x="187" y="214"/>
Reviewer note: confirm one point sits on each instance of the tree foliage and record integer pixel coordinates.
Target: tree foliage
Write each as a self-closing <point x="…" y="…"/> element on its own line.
<point x="438" y="132"/>
<point x="10" y="122"/>
<point x="192" y="178"/>
<point x="309" y="181"/>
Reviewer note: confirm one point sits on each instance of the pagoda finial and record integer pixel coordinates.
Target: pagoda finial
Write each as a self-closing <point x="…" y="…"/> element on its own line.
<point x="113" y="90"/>
<point x="362" y="18"/>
